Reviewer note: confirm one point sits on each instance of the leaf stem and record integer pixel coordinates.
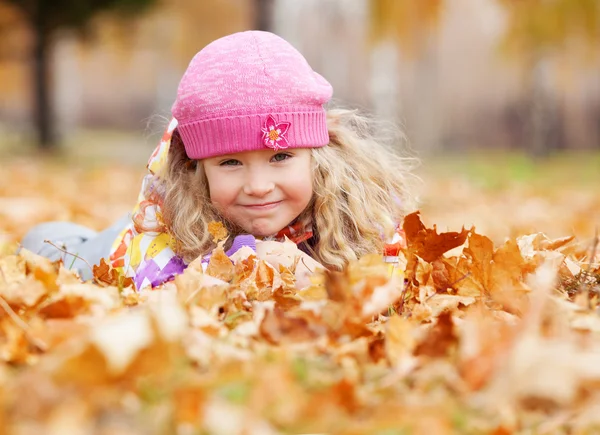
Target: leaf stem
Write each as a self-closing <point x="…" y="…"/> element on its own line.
<point x="22" y="325"/>
<point x="69" y="253"/>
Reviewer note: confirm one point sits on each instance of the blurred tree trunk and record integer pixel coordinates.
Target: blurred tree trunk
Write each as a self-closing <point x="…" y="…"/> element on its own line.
<point x="536" y="29"/>
<point x="428" y="128"/>
<point x="411" y="25"/>
<point x="544" y="120"/>
<point x="45" y="18"/>
<point x="41" y="82"/>
<point x="263" y="10"/>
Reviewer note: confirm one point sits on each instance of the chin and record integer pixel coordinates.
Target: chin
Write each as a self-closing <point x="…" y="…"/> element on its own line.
<point x="256" y="233"/>
<point x="262" y="231"/>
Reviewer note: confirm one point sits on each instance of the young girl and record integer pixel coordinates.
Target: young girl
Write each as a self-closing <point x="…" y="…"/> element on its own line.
<point x="252" y="146"/>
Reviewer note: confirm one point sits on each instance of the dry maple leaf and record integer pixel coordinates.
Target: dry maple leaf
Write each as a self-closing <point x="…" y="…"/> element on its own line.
<point x="440" y="338"/>
<point x="12" y="269"/>
<point x="427" y="243"/>
<point x="25" y="294"/>
<point x="278" y="326"/>
<point x="426" y="246"/>
<point x="41" y="268"/>
<point x="105" y="275"/>
<point x="399" y="342"/>
<point x="480" y="251"/>
<point x="218" y="231"/>
<point x="337" y="285"/>
<point x="220" y="265"/>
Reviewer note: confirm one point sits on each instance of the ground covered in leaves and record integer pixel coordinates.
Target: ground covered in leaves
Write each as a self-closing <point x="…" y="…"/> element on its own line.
<point x="488" y="323"/>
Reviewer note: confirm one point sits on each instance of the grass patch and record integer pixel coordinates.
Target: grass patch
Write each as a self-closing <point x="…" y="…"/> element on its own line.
<point x="498" y="169"/>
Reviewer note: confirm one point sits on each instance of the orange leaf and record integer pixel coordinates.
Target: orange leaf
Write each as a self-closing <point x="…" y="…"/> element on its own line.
<point x="277" y="326"/>
<point x="427" y="243"/>
<point x="218" y="231"/>
<point x="105" y="275"/>
<point x="220" y="265"/>
<point x="480" y="251"/>
<point x="440" y="339"/>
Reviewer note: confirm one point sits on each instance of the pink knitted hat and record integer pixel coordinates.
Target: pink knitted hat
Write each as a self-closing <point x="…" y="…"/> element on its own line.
<point x="250" y="91"/>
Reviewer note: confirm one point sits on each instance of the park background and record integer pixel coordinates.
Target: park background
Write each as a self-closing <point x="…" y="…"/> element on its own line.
<point x="499" y="99"/>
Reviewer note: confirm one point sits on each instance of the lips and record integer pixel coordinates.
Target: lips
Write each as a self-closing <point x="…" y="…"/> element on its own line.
<point x="262" y="206"/>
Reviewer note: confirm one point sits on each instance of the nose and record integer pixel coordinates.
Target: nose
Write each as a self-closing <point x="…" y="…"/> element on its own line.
<point x="258" y="184"/>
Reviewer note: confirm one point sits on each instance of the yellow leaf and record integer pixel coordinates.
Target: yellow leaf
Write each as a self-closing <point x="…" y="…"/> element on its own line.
<point x="220" y="266"/>
<point x="218" y="231"/>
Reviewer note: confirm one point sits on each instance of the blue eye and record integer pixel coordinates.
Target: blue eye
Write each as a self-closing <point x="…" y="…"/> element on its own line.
<point x="280" y="157"/>
<point x="230" y="162"/>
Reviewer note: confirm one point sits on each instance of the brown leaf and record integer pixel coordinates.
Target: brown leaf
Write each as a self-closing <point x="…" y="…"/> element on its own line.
<point x="218" y="231"/>
<point x="267" y="278"/>
<point x="337" y="285"/>
<point x="399" y="342"/>
<point x="65" y="308"/>
<point x="441" y="276"/>
<point x="509" y="268"/>
<point x="220" y="266"/>
<point x="106" y="276"/>
<point x="377" y="348"/>
<point x="427" y="243"/>
<point x="550" y="245"/>
<point x="244" y="268"/>
<point x="443" y="302"/>
<point x="480" y="251"/>
<point x="42" y="268"/>
<point x="288" y="279"/>
<point x="345" y="393"/>
<point x="285" y="301"/>
<point x="465" y="283"/>
<point x="440" y="339"/>
<point x="188" y="401"/>
<point x="12" y="269"/>
<point x="277" y="326"/>
<point x="15" y="346"/>
<point x="103" y="273"/>
<point x="25" y="294"/>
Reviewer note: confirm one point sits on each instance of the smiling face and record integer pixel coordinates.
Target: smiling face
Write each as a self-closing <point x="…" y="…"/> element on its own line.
<point x="261" y="191"/>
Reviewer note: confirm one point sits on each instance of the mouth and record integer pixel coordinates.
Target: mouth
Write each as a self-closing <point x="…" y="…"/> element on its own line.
<point x="262" y="206"/>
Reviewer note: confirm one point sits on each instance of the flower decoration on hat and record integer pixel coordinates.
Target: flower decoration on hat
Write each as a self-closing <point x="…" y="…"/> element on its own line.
<point x="274" y="133"/>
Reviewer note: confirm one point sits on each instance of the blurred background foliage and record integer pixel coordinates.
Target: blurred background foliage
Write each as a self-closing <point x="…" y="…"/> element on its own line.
<point x="456" y="74"/>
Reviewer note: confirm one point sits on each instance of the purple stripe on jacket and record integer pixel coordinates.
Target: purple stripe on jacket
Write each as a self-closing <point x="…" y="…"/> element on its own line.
<point x="238" y="243"/>
<point x="155" y="275"/>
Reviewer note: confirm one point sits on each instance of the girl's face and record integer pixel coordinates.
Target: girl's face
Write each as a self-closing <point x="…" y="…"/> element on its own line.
<point x="261" y="191"/>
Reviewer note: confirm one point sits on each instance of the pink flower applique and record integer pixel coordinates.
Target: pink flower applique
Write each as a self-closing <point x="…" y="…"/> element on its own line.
<point x="274" y="133"/>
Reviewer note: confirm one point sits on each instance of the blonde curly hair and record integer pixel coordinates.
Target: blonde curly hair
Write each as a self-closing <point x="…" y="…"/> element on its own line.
<point x="361" y="191"/>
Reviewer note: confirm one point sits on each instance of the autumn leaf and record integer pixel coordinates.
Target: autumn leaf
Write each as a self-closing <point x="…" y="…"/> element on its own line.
<point x="41" y="268"/>
<point x="427" y="243"/>
<point x="105" y="275"/>
<point x="462" y="326"/>
<point x="399" y="342"/>
<point x="220" y="266"/>
<point x="278" y="325"/>
<point x="13" y="269"/>
<point x="426" y="246"/>
<point x="25" y="294"/>
<point x="440" y="339"/>
<point x="218" y="231"/>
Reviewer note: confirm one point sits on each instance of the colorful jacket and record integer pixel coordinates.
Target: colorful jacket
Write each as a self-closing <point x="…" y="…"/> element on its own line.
<point x="144" y="250"/>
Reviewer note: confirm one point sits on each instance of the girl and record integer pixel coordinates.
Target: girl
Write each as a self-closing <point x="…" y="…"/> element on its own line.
<point x="252" y="146"/>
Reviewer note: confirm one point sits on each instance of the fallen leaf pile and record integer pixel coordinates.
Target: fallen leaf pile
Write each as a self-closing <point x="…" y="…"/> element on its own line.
<point x="461" y="335"/>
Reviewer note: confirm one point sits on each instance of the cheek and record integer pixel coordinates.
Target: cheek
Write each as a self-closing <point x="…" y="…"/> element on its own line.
<point x="221" y="194"/>
<point x="301" y="185"/>
<point x="220" y="198"/>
